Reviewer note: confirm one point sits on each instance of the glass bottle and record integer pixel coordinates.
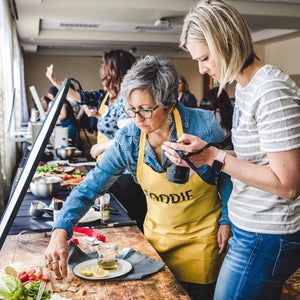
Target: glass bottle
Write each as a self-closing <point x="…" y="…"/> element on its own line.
<point x="104" y="208"/>
<point x="108" y="256"/>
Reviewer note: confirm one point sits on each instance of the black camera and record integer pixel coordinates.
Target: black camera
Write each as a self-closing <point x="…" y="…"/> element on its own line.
<point x="175" y="173"/>
<point x="90" y="100"/>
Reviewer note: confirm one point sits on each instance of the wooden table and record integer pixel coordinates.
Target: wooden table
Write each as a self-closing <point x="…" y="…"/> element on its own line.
<point x="29" y="249"/>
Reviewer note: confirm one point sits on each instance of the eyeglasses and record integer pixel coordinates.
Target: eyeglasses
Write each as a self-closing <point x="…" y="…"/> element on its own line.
<point x="144" y="113"/>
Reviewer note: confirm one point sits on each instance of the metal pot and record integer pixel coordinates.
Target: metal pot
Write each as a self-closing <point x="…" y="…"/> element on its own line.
<point x="37" y="208"/>
<point x="66" y="152"/>
<point x="45" y="187"/>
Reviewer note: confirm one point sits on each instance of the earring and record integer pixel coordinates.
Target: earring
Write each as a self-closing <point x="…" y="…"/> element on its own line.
<point x="170" y="120"/>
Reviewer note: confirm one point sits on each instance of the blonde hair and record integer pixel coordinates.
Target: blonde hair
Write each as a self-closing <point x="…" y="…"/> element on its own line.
<point x="223" y="30"/>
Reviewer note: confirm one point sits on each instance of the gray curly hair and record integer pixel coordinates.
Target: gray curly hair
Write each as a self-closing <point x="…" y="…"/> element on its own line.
<point x="157" y="76"/>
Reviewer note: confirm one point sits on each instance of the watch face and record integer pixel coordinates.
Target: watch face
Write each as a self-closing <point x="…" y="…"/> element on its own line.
<point x="217" y="165"/>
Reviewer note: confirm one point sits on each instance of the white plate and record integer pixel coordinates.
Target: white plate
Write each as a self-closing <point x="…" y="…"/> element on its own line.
<point x="90" y="216"/>
<point x="124" y="268"/>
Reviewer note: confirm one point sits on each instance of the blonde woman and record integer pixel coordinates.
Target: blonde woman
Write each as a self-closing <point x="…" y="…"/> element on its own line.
<point x="264" y="206"/>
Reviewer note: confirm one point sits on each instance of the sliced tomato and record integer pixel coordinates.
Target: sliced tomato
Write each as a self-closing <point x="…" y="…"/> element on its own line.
<point x="31" y="272"/>
<point x="23" y="277"/>
<point x="45" y="277"/>
<point x="66" y="177"/>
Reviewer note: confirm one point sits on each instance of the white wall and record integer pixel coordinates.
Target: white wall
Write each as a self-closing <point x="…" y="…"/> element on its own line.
<point x="284" y="55"/>
<point x="86" y="71"/>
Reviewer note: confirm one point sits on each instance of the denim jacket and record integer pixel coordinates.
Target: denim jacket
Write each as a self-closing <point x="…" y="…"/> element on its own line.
<point x="108" y="122"/>
<point x="123" y="154"/>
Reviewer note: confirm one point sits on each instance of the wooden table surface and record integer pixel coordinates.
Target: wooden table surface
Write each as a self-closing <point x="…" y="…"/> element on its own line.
<point x="29" y="250"/>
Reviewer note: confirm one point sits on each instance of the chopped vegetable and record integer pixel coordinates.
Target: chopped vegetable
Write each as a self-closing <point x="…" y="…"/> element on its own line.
<point x="46" y="168"/>
<point x="76" y="180"/>
<point x="33" y="289"/>
<point x="23" y="276"/>
<point x="69" y="170"/>
<point x="77" y="172"/>
<point x="11" y="288"/>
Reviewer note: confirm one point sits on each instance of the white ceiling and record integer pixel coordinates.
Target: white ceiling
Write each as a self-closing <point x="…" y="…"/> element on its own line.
<point x="89" y="27"/>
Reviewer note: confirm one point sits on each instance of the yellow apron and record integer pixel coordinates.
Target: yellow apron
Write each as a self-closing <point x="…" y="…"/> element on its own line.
<point x="181" y="221"/>
<point x="102" y="138"/>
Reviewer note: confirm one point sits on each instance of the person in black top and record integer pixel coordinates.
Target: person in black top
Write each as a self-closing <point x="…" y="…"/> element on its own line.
<point x="184" y="94"/>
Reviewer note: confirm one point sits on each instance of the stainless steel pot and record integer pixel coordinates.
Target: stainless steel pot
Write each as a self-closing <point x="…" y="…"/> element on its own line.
<point x="65" y="153"/>
<point x="45" y="187"/>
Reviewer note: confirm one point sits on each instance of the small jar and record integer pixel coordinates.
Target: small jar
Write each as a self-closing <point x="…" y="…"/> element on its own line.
<point x="108" y="256"/>
<point x="104" y="208"/>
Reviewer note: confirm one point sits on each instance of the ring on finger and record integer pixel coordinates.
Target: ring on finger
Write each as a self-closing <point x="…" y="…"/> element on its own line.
<point x="48" y="262"/>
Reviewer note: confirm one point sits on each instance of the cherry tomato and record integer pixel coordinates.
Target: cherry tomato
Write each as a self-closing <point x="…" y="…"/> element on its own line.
<point x="23" y="276"/>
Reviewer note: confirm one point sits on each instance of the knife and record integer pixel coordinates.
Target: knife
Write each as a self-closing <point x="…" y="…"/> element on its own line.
<point x="41" y="290"/>
<point x="118" y="224"/>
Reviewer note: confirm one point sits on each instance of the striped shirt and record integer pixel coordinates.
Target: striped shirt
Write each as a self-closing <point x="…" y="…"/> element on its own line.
<point x="266" y="119"/>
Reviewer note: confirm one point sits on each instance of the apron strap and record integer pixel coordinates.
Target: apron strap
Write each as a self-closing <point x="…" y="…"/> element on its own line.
<point x="142" y="144"/>
<point x="103" y="105"/>
<point x="141" y="155"/>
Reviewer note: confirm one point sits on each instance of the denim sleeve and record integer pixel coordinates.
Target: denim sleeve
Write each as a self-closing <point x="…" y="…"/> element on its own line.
<point x="224" y="189"/>
<point x="96" y="183"/>
<point x="224" y="183"/>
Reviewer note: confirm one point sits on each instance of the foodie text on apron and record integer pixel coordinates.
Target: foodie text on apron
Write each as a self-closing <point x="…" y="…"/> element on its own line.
<point x="182" y="220"/>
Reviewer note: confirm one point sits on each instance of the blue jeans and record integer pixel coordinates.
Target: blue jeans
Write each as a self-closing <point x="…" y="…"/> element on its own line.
<point x="257" y="265"/>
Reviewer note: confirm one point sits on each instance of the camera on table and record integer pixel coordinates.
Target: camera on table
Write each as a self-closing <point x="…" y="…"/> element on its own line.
<point x="90" y="100"/>
<point x="175" y="174"/>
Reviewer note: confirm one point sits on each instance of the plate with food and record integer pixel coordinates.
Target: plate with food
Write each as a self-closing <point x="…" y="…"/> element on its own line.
<point x="89" y="270"/>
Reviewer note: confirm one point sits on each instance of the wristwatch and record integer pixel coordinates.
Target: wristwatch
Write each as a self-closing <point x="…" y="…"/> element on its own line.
<point x="219" y="161"/>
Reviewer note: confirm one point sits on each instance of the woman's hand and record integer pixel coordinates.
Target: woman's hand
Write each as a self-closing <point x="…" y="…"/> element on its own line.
<point x="189" y="144"/>
<point x="96" y="150"/>
<point x="56" y="253"/>
<point x="100" y="148"/>
<point x="91" y="113"/>
<point x="224" y="233"/>
<point x="51" y="76"/>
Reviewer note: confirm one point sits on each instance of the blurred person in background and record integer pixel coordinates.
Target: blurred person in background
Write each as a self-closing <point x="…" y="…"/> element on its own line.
<point x="222" y="108"/>
<point x="184" y="94"/>
<point x="66" y="117"/>
<point x="111" y="117"/>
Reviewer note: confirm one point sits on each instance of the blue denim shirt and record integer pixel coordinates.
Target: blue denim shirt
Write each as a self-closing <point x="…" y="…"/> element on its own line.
<point x="123" y="154"/>
<point x="107" y="123"/>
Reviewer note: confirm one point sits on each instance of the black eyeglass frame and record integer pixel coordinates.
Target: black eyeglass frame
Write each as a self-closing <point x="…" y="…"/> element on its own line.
<point x="126" y="110"/>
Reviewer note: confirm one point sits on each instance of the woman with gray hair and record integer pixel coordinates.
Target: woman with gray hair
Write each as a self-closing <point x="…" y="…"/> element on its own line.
<point x="264" y="206"/>
<point x="183" y="221"/>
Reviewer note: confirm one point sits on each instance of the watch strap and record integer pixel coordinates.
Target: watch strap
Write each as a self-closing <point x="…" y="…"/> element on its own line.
<point x="218" y="162"/>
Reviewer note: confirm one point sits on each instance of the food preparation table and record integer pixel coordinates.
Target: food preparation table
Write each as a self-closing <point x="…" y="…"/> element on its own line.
<point x="29" y="249"/>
